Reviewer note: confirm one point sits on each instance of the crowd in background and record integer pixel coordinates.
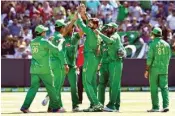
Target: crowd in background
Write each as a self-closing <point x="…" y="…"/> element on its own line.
<point x="135" y="19"/>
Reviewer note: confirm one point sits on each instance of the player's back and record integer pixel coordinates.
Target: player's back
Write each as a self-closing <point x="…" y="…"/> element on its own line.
<point x="161" y="54"/>
<point x="40" y="56"/>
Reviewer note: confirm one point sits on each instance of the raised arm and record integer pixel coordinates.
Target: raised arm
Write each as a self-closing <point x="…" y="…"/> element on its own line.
<point x="81" y="24"/>
<point x="104" y="37"/>
<point x="52" y="47"/>
<point x="82" y="12"/>
<point x="82" y="16"/>
<point x="70" y="25"/>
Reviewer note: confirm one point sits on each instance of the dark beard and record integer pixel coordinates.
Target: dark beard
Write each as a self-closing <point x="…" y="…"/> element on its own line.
<point x="109" y="33"/>
<point x="69" y="33"/>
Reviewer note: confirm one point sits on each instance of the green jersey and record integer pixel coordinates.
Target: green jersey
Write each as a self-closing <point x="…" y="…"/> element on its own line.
<point x="121" y="34"/>
<point x="40" y="55"/>
<point x="92" y="41"/>
<point x="71" y="45"/>
<point x="145" y="4"/>
<point x="132" y="36"/>
<point x="159" y="55"/>
<point x="57" y="57"/>
<point x="104" y="53"/>
<point x="123" y="13"/>
<point x="114" y="45"/>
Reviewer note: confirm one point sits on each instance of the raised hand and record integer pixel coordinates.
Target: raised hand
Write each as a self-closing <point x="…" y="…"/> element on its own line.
<point x="79" y="9"/>
<point x="83" y="8"/>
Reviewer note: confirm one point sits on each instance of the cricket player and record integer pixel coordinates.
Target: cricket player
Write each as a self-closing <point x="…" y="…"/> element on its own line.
<point x="91" y="61"/>
<point x="71" y="47"/>
<point x="115" y="65"/>
<point x="58" y="64"/>
<point x="58" y="60"/>
<point x="40" y="70"/>
<point x="103" y="69"/>
<point x="157" y="63"/>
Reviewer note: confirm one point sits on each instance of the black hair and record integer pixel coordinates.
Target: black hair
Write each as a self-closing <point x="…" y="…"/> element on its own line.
<point x="20" y="37"/>
<point x="85" y="22"/>
<point x="11" y="5"/>
<point x="35" y="34"/>
<point x="40" y="4"/>
<point x="25" y="27"/>
<point x="38" y="34"/>
<point x="58" y="28"/>
<point x="157" y="35"/>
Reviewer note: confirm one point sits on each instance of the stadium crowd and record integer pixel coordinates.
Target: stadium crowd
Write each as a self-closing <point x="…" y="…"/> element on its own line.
<point x="135" y="19"/>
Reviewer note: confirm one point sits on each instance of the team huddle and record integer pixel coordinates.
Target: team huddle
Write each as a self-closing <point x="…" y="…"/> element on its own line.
<point x="54" y="59"/>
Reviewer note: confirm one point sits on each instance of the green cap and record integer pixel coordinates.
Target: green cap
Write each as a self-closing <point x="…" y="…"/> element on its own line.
<point x="157" y="31"/>
<point x="112" y="25"/>
<point x="59" y="23"/>
<point x="40" y="28"/>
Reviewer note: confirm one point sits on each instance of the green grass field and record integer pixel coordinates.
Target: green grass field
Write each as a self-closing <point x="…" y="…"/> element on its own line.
<point x="132" y="104"/>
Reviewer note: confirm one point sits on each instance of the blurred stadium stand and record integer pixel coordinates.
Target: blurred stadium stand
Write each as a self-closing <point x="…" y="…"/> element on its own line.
<point x="135" y="19"/>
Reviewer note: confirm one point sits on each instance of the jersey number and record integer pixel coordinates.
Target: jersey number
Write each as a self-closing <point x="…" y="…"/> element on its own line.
<point x="35" y="50"/>
<point x="161" y="51"/>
